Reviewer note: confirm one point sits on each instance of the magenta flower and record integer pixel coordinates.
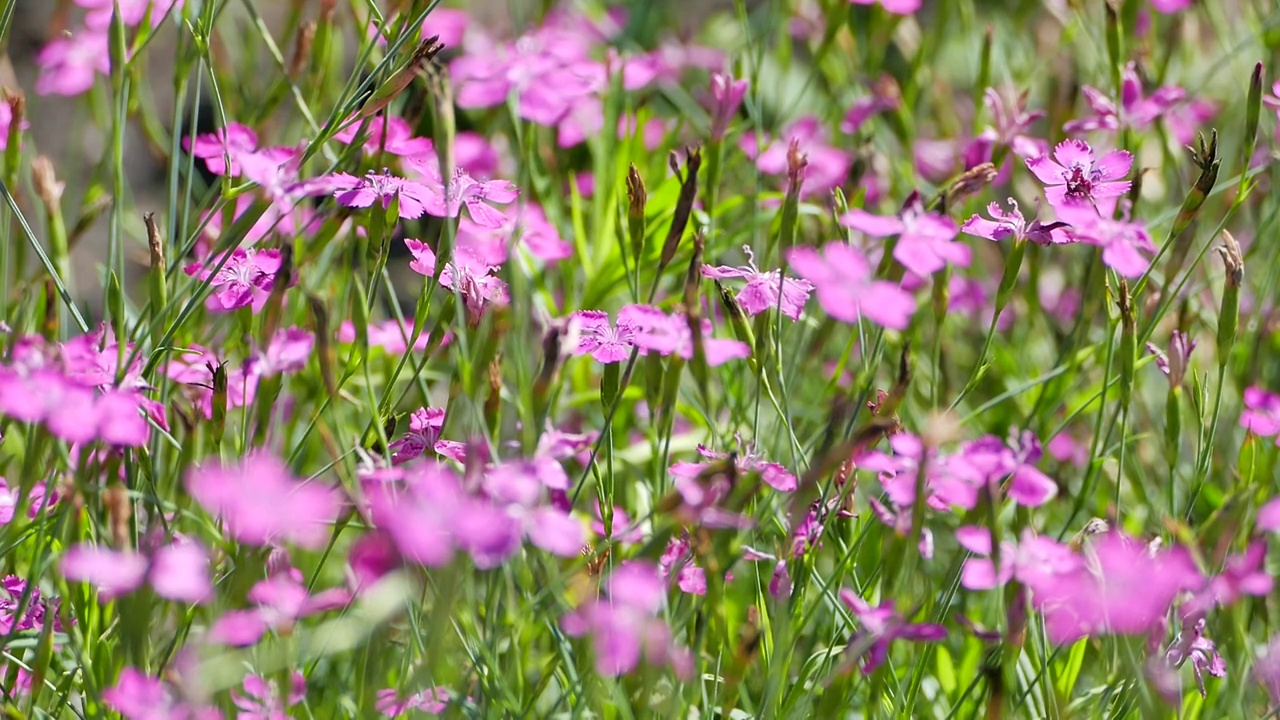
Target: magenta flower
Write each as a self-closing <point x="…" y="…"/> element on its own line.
<point x="288" y="352"/>
<point x="1241" y="575"/>
<point x="235" y="142"/>
<point x="280" y="601"/>
<point x="193" y="368"/>
<point x="746" y="460"/>
<point x="389" y="134"/>
<point x="258" y="699"/>
<point x="1139" y="112"/>
<point x="624" y="628"/>
<point x="1123" y="242"/>
<point x="467" y="273"/>
<point x="924" y="239"/>
<point x="879" y="626"/>
<point x="609" y="344"/>
<point x="1121" y="587"/>
<point x="980" y="573"/>
<point x="245" y="280"/>
<point x="1170" y="6"/>
<point x="1012" y="224"/>
<point x="137" y="696"/>
<point x="1174" y="365"/>
<point x="828" y="167"/>
<point x="431" y="701"/>
<point x="6" y="121"/>
<point x="132" y="12"/>
<point x="847" y="289"/>
<point x="388" y="335"/>
<point x="36" y="610"/>
<point x="178" y="571"/>
<point x="1077" y="178"/>
<point x="726" y="98"/>
<point x="992" y="461"/>
<point x="75" y="412"/>
<point x="424" y="430"/>
<point x="762" y="289"/>
<point x="381" y="189"/>
<point x="1010" y="128"/>
<point x="70" y="64"/>
<point x="259" y="501"/>
<point x="1261" y="415"/>
<point x="1191" y="644"/>
<point x="447" y="199"/>
<point x="1266" y="669"/>
<point x="897" y="7"/>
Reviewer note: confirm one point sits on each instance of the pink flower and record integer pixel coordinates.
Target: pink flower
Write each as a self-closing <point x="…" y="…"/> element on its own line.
<point x="1077" y="178"/>
<point x="69" y="64"/>
<point x="35" y="612"/>
<point x="1261" y="415"/>
<point x="879" y="626"/>
<point x="468" y="274"/>
<point x="132" y="12"/>
<point x="178" y="571"/>
<point x="259" y="501"/>
<point x="846" y="287"/>
<point x="388" y="335"/>
<point x="288" y="352"/>
<point x="1241" y="575"/>
<point x="1174" y="365"/>
<point x="258" y="699"/>
<point x="424" y="430"/>
<point x="608" y="344"/>
<point x="746" y="460"/>
<point x="762" y="289"/>
<point x="828" y="167"/>
<point x="381" y="189"/>
<point x="235" y="142"/>
<point x="279" y="601"/>
<point x="1121" y="587"/>
<point x="244" y="280"/>
<point x="1011" y="123"/>
<point x="6" y="122"/>
<point x="1013" y="225"/>
<point x="726" y="98"/>
<point x="462" y="190"/>
<point x="625" y="627"/>
<point x="1170" y="6"/>
<point x="431" y="701"/>
<point x="897" y="7"/>
<point x="1191" y="644"/>
<point x="140" y="697"/>
<point x="1123" y="243"/>
<point x="1138" y="112"/>
<point x="388" y="133"/>
<point x="924" y="239"/>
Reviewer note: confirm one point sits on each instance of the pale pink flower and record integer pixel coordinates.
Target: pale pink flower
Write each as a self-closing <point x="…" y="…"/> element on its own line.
<point x="259" y="501"/>
<point x="245" y="279"/>
<point x="762" y="289"/>
<point x="897" y="7"/>
<point x="1078" y="178"/>
<point x="259" y="699"/>
<point x="70" y="64"/>
<point x="924" y="239"/>
<point x="846" y="287"/>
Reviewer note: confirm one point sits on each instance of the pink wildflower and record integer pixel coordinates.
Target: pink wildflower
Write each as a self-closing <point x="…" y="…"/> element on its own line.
<point x="626" y="627"/>
<point x="1011" y="225"/>
<point x="381" y="189"/>
<point x="446" y="199"/>
<point x="726" y="98"/>
<point x="244" y="280"/>
<point x="1077" y="178"/>
<point x="467" y="273"/>
<point x="846" y="287"/>
<point x="178" y="571"/>
<point x="259" y="501"/>
<point x="280" y="601"/>
<point x="762" y="289"/>
<point x="69" y="64"/>
<point x="924" y="239"/>
<point x="879" y="626"/>
<point x="258" y="699"/>
<point x="431" y="701"/>
<point x="1123" y="242"/>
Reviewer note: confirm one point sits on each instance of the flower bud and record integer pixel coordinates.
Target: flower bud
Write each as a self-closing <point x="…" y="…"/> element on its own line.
<point x="1229" y="313"/>
<point x="684" y="205"/>
<point x="1128" y="343"/>
<point x="636" y="200"/>
<point x="726" y="97"/>
<point x="46" y="183"/>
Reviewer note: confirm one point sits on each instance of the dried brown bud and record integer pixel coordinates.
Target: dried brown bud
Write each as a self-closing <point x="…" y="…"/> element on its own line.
<point x="302" y="48"/>
<point x="684" y="204"/>
<point x="971" y="182"/>
<point x="1233" y="258"/>
<point x="1095" y="526"/>
<point x="796" y="164"/>
<point x="46" y="183"/>
<point x="17" y="106"/>
<point x="154" y="242"/>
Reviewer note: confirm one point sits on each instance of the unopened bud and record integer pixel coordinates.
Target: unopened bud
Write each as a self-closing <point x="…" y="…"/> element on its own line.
<point x="1229" y="313"/>
<point x="1128" y="343"/>
<point x="46" y="183"/>
<point x="970" y="183"/>
<point x="1232" y="258"/>
<point x="637" y="198"/>
<point x="156" y="281"/>
<point x="684" y="205"/>
<point x="726" y="97"/>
